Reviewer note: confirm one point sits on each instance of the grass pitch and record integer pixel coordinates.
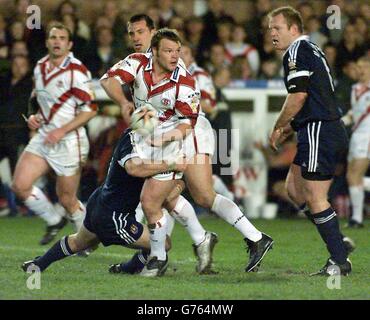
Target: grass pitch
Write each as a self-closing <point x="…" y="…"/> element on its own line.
<point x="298" y="250"/>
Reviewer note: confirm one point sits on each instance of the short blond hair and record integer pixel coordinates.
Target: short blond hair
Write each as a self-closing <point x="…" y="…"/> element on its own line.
<point x="291" y="15"/>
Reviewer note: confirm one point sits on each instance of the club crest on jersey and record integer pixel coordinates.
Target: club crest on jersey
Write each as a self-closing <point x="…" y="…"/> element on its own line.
<point x="134" y="229"/>
<point x="59" y="84"/>
<point x="292" y="65"/>
<point x="166" y="102"/>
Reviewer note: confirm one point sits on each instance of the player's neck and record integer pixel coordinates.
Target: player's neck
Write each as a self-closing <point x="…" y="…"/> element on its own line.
<point x="57" y="61"/>
<point x="159" y="73"/>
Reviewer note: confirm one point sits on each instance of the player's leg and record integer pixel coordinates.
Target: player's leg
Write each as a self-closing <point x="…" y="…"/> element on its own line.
<point x="203" y="241"/>
<point x="65" y="247"/>
<point x="326" y="221"/>
<point x="220" y="188"/>
<point x="66" y="189"/>
<point x="355" y="175"/>
<point x="293" y="186"/>
<point x="29" y="168"/>
<point x="198" y="176"/>
<point x="153" y="196"/>
<point x="140" y="258"/>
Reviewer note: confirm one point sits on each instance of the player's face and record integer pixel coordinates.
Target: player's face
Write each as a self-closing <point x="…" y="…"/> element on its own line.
<point x="140" y="35"/>
<point x="168" y="54"/>
<point x="58" y="43"/>
<point x="282" y="36"/>
<point x="186" y="55"/>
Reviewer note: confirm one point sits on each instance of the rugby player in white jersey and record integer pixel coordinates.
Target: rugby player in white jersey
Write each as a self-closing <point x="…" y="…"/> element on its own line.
<point x="160" y="80"/>
<point x="201" y="188"/>
<point x="64" y="106"/>
<point x="359" y="148"/>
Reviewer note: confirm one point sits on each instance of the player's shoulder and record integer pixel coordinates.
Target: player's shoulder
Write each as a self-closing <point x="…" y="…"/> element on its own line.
<point x="140" y="57"/>
<point x="76" y="64"/>
<point x="197" y="71"/>
<point x="299" y="48"/>
<point x="183" y="76"/>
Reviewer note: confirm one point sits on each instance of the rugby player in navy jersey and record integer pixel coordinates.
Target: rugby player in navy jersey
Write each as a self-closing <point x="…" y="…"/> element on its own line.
<point x="110" y="211"/>
<point x="312" y="111"/>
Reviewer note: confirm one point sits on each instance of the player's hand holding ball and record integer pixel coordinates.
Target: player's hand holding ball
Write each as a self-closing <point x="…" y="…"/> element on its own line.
<point x="144" y="120"/>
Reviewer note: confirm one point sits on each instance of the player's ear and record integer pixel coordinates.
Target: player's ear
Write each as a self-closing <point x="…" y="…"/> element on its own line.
<point x="70" y="45"/>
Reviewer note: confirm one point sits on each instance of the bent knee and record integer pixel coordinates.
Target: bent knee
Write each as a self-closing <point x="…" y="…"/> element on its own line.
<point x="67" y="200"/>
<point x="204" y="200"/>
<point x="20" y="191"/>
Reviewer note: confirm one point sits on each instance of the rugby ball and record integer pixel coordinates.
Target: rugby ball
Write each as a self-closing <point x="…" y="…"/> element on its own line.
<point x="144" y="120"/>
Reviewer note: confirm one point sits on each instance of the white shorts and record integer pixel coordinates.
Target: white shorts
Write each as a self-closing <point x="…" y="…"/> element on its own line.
<point x="66" y="157"/>
<point x="359" y="146"/>
<point x="169" y="152"/>
<point x="201" y="140"/>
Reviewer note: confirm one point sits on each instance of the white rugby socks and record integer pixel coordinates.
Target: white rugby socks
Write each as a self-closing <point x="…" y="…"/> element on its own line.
<point x="170" y="222"/>
<point x="220" y="188"/>
<point x="139" y="214"/>
<point x="357" y="196"/>
<point x="230" y="212"/>
<point x="158" y="233"/>
<point x="184" y="213"/>
<point x="41" y="206"/>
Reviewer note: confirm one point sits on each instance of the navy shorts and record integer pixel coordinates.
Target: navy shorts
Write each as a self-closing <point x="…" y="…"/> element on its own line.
<point x="319" y="148"/>
<point x="111" y="227"/>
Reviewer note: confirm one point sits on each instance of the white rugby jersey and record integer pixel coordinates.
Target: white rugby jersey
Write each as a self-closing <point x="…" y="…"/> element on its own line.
<point x="175" y="98"/>
<point x="205" y="83"/>
<point x="62" y="93"/>
<point x="244" y="50"/>
<point x="360" y="103"/>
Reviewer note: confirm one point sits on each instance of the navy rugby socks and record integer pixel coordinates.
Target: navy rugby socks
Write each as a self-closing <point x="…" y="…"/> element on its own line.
<point x="327" y="224"/>
<point x="58" y="251"/>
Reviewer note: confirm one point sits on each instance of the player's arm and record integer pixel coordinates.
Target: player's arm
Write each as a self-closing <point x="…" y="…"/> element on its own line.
<point x="80" y="120"/>
<point x="121" y="73"/>
<point x="176" y="134"/>
<point x="83" y="97"/>
<point x="114" y="91"/>
<point x="298" y="81"/>
<point x="207" y="95"/>
<point x="139" y="168"/>
<point x="292" y="105"/>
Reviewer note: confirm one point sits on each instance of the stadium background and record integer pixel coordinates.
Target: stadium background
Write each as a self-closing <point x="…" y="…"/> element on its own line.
<point x="250" y="92"/>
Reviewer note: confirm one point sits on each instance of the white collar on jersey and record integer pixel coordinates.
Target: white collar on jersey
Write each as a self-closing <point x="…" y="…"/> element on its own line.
<point x="302" y="37"/>
<point x="65" y="62"/>
<point x="192" y="67"/>
<point x="175" y="73"/>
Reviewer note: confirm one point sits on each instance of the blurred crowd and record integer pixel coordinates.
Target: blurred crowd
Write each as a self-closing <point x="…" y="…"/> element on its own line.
<point x="228" y="43"/>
